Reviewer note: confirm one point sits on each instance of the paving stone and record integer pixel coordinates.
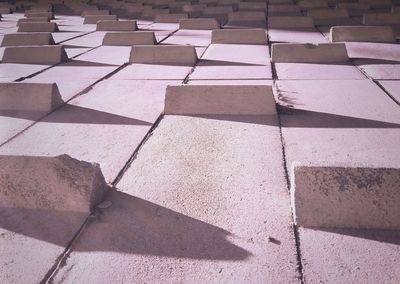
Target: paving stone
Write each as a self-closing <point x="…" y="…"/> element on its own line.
<point x="33" y="20"/>
<point x="198" y="24"/>
<point x="129" y="38"/>
<point x="244" y="36"/>
<point x="324" y="17"/>
<point x="381" y="19"/>
<point x="190" y="37"/>
<point x="93" y="19"/>
<point x="393" y="87"/>
<point x="170" y="18"/>
<point x="20" y="39"/>
<point x="294" y="22"/>
<point x="247" y="19"/>
<point x="116" y="26"/>
<point x="284" y="10"/>
<point x="296" y="35"/>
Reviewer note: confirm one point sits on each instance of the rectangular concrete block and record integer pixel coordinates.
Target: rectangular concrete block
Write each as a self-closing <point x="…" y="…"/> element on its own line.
<point x="21" y="39"/>
<point x="95" y="18"/>
<point x="30" y="97"/>
<point x="355" y="9"/>
<point x="116" y="26"/>
<point x="284" y="10"/>
<point x="95" y="13"/>
<point x="170" y="18"/>
<point x="252" y="6"/>
<point x="239" y="36"/>
<point x="33" y="20"/>
<point x="32" y="14"/>
<point x="346" y="197"/>
<point x="164" y="54"/>
<point x="362" y="34"/>
<point x="235" y="100"/>
<point x="60" y="183"/>
<point x="309" y="53"/>
<point x="129" y="38"/>
<point x="379" y="19"/>
<point x="38" y="27"/>
<point x="5" y="11"/>
<point x="35" y="54"/>
<point x="286" y="22"/>
<point x="329" y="16"/>
<point x="313" y="4"/>
<point x="254" y="19"/>
<point x="199" y="24"/>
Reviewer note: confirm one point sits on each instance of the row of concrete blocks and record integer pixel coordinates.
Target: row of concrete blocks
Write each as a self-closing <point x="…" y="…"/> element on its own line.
<point x="344" y="196"/>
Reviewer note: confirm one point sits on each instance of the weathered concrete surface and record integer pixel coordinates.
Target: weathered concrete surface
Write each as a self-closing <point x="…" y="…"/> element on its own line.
<point x="107" y="25"/>
<point x="198" y="24"/>
<point x="37" y="27"/>
<point x="129" y="38"/>
<point x="296" y="35"/>
<point x="228" y="221"/>
<point x="35" y="54"/>
<point x="12" y="71"/>
<point x="33" y="20"/>
<point x="39" y="217"/>
<point x="247" y="19"/>
<point x="284" y="22"/>
<point x="234" y="100"/>
<point x="325" y="17"/>
<point x="239" y="36"/>
<point x="197" y="38"/>
<point x="170" y="18"/>
<point x="345" y="196"/>
<point x="20" y="39"/>
<point x="377" y="19"/>
<point x="362" y="33"/>
<point x="153" y="72"/>
<point x="309" y="53"/>
<point x="392" y="87"/>
<point x="93" y="19"/>
<point x="163" y="54"/>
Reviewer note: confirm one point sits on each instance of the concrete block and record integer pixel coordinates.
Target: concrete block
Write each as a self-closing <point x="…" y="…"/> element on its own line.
<point x="355" y="9"/>
<point x="95" y="13"/>
<point x="48" y="15"/>
<point x="362" y="33"/>
<point x="252" y="6"/>
<point x="5" y="11"/>
<point x="57" y="183"/>
<point x="329" y="16"/>
<point x="116" y="26"/>
<point x="199" y="24"/>
<point x="95" y="18"/>
<point x="170" y="18"/>
<point x="239" y="36"/>
<point x="306" y="4"/>
<point x="164" y="54"/>
<point x="346" y="197"/>
<point x="247" y="19"/>
<point x="378" y="19"/>
<point x="219" y="99"/>
<point x="33" y="20"/>
<point x="38" y="27"/>
<point x="35" y="54"/>
<point x="32" y="97"/>
<point x="284" y="10"/>
<point x="20" y="39"/>
<point x="286" y="22"/>
<point x="309" y="53"/>
<point x="129" y="38"/>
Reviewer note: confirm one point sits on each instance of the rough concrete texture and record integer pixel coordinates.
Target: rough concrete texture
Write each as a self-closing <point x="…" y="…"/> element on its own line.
<point x="107" y="25"/>
<point x="234" y="100"/>
<point x="345" y="196"/>
<point x="198" y="24"/>
<point x="362" y="34"/>
<point x="220" y="223"/>
<point x="47" y="54"/>
<point x="163" y="54"/>
<point x="243" y="36"/>
<point x="309" y="53"/>
<point x="94" y="19"/>
<point x="39" y="217"/>
<point x="29" y="97"/>
<point x="37" y="27"/>
<point x="33" y="20"/>
<point x="20" y="39"/>
<point x="129" y="38"/>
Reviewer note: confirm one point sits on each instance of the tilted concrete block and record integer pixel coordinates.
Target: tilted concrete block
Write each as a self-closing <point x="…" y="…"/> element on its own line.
<point x="313" y="4"/>
<point x="116" y="26"/>
<point x="286" y="22"/>
<point x="95" y="13"/>
<point x="164" y="54"/>
<point x="247" y="19"/>
<point x="61" y="183"/>
<point x="362" y="34"/>
<point x="32" y="97"/>
<point x="236" y="100"/>
<point x="38" y="27"/>
<point x="355" y="9"/>
<point x="33" y="20"/>
<point x="379" y="19"/>
<point x="129" y="38"/>
<point x="95" y="18"/>
<point x="48" y="15"/>
<point x="21" y="39"/>
<point x="309" y="53"/>
<point x="329" y="16"/>
<point x="239" y="36"/>
<point x="170" y="18"/>
<point x="47" y="54"/>
<point x="252" y="6"/>
<point x="346" y="197"/>
<point x="199" y="24"/>
<point x="284" y="10"/>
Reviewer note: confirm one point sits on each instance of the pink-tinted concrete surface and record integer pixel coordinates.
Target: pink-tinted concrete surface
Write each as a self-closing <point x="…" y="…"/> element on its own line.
<point x="296" y="36"/>
<point x="392" y="87"/>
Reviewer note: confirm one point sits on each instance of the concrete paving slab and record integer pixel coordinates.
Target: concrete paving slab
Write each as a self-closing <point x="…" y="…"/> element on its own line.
<point x="14" y="71"/>
<point x="294" y="35"/>
<point x="245" y="54"/>
<point x="389" y="52"/>
<point x="308" y="53"/>
<point x="115" y="116"/>
<point x="42" y="224"/>
<point x="93" y="19"/>
<point x="362" y="34"/>
<point x="231" y="82"/>
<point x="393" y="87"/>
<point x="19" y="39"/>
<point x="315" y="71"/>
<point x="108" y="55"/>
<point x="246" y="19"/>
<point x="129" y="38"/>
<point x="350" y="256"/>
<point x="198" y="24"/>
<point x="189" y="236"/>
<point x="190" y="37"/>
<point x="105" y="25"/>
<point x="37" y="27"/>
<point x="170" y="18"/>
<point x="153" y="72"/>
<point x="290" y="22"/>
<point x="89" y="40"/>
